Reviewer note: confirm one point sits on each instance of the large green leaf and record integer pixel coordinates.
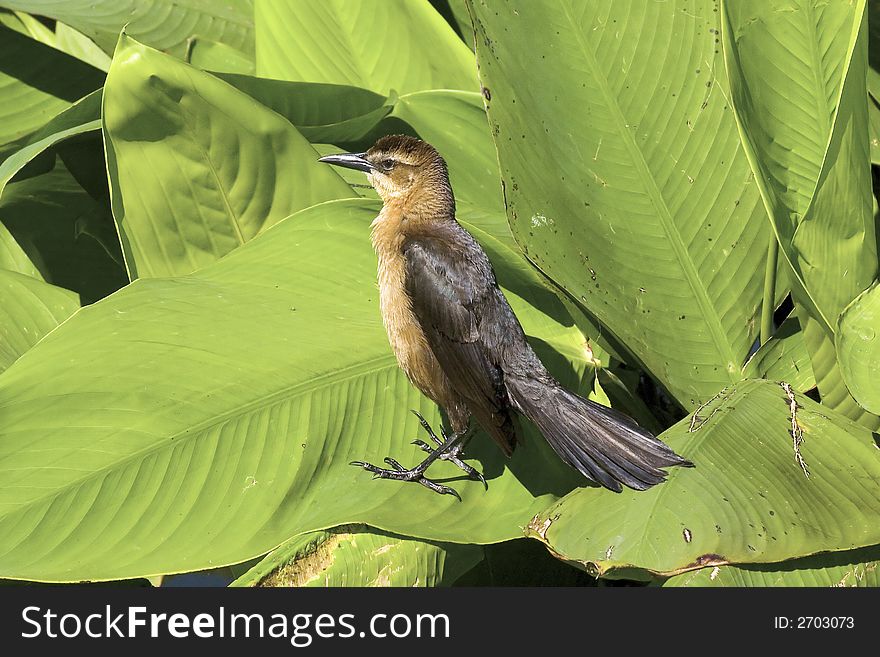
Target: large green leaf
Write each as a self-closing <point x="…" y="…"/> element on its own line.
<point x="858" y="348"/>
<point x="844" y="569"/>
<point x="321" y="112"/>
<point x="404" y="45"/>
<point x="215" y="56"/>
<point x="29" y="309"/>
<point x="13" y="257"/>
<point x="191" y="422"/>
<point x="798" y="89"/>
<point x="455" y="123"/>
<point x="81" y="117"/>
<point x="748" y="500"/>
<point x="783" y="357"/>
<point x="164" y="24"/>
<point x="624" y="178"/>
<point x="36" y="83"/>
<point x="352" y="556"/>
<point x="196" y="167"/>
<point x="66" y="232"/>
<point x="75" y="43"/>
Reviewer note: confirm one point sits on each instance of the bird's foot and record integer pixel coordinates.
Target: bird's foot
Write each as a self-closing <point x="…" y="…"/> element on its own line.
<point x="453" y="455"/>
<point x="447" y="449"/>
<point x="399" y="473"/>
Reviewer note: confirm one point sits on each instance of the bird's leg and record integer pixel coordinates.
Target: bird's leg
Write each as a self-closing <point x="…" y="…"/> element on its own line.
<point x="453" y="455"/>
<point x="449" y="445"/>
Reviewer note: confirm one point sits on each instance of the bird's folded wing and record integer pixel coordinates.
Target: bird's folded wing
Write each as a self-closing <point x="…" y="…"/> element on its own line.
<point x="455" y="299"/>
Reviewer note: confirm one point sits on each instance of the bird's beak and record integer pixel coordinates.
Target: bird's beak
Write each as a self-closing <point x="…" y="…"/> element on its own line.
<point x="349" y="161"/>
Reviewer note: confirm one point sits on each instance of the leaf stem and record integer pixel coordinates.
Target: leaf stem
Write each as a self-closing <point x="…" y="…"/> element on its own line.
<point x="769" y="303"/>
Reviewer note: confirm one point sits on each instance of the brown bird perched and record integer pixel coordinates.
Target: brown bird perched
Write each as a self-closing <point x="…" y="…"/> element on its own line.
<point x="459" y="342"/>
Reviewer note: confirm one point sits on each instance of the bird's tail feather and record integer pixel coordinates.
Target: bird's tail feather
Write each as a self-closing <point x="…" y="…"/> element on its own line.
<point x="601" y="443"/>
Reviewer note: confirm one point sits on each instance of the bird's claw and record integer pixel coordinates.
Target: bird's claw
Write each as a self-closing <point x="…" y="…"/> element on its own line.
<point x="453" y="455"/>
<point x="399" y="473"/>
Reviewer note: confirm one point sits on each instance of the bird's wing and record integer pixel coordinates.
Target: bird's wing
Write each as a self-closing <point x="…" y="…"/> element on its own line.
<point x="456" y="301"/>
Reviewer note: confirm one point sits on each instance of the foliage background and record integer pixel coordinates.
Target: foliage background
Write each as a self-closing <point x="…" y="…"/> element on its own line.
<point x="677" y="198"/>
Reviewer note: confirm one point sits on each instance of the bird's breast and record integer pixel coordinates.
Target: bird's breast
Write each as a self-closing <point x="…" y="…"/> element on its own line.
<point x="408" y="340"/>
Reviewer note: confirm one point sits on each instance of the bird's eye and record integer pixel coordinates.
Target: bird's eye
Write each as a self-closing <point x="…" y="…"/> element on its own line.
<point x="388" y="164"/>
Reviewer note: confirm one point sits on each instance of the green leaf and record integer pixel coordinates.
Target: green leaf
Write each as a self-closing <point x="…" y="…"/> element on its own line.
<point x="456" y="14"/>
<point x="748" y="500"/>
<point x="13" y="257"/>
<point x="783" y="358"/>
<point x="196" y="167"/>
<point x="81" y="117"/>
<point x="36" y="83"/>
<point x="29" y="309"/>
<point x="68" y="234"/>
<point x="352" y="556"/>
<point x="163" y="24"/>
<point x="321" y="112"/>
<point x="798" y="89"/>
<point x="192" y="422"/>
<point x="215" y="56"/>
<point x="624" y="178"/>
<point x="400" y="45"/>
<point x="858" y="348"/>
<point x="455" y="123"/>
<point x="75" y="43"/>
<point x="843" y="569"/>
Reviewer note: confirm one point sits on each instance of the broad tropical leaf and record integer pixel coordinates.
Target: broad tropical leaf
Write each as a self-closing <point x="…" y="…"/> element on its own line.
<point x="36" y="83"/>
<point x="756" y="495"/>
<point x="321" y="112"/>
<point x="204" y="420"/>
<point x="783" y="358"/>
<point x="215" y="56"/>
<point x="455" y="123"/>
<point x="164" y="24"/>
<point x="66" y="232"/>
<point x="858" y="348"/>
<point x="844" y="569"/>
<point x="624" y="178"/>
<point x="196" y="167"/>
<point x="798" y="89"/>
<point x="81" y="117"/>
<point x="353" y="556"/>
<point x="13" y="257"/>
<point x="400" y="45"/>
<point x="29" y="309"/>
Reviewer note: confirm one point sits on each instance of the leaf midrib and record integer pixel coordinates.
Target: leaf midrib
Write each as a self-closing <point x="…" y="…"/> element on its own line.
<point x="707" y="309"/>
<point x="385" y="361"/>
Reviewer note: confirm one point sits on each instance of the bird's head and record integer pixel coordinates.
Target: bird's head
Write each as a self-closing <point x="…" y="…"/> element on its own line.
<point x="403" y="170"/>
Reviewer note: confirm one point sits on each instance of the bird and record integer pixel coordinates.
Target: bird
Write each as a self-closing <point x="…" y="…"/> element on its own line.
<point x="459" y="342"/>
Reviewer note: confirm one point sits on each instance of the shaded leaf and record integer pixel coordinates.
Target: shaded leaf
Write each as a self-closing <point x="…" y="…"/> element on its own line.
<point x="66" y="233"/>
<point x="352" y="556"/>
<point x="321" y="112"/>
<point x="842" y="569"/>
<point x="13" y="257"/>
<point x="80" y="118"/>
<point x="36" y="83"/>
